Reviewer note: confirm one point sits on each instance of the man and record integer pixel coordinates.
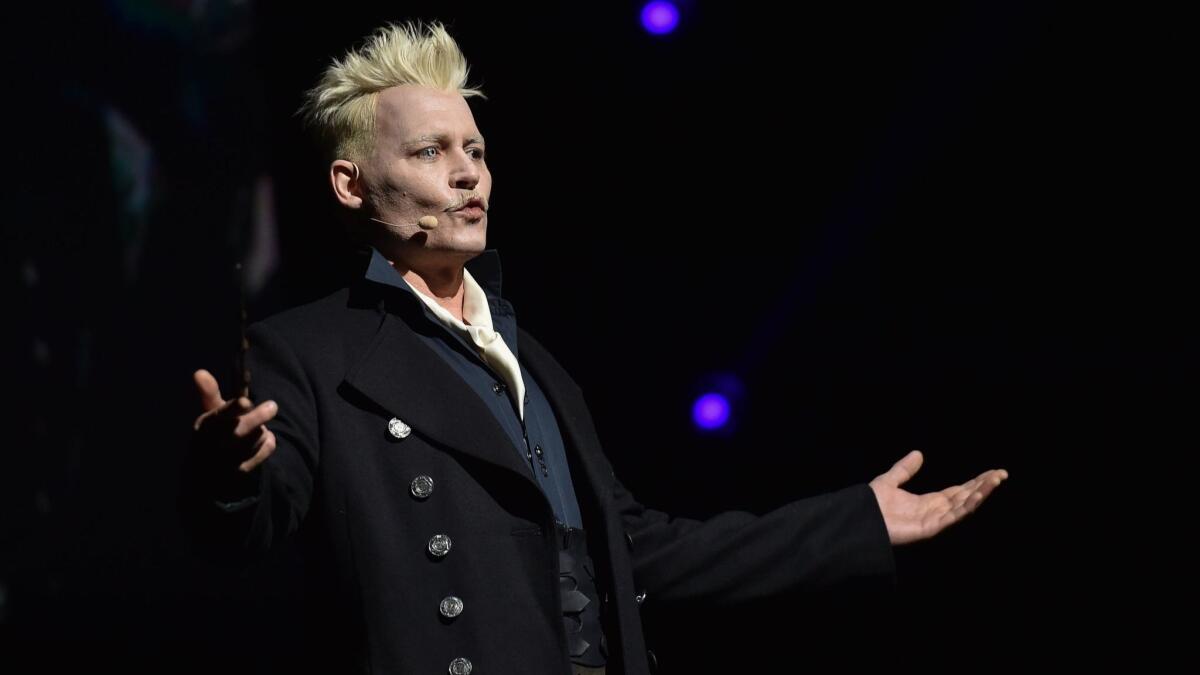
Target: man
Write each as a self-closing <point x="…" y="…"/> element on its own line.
<point x="440" y="467"/>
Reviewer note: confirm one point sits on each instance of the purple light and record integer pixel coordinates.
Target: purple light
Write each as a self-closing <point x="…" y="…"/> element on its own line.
<point x="711" y="411"/>
<point x="660" y="18"/>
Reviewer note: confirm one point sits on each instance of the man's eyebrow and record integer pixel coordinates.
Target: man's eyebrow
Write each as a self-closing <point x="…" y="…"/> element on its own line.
<point x="441" y="138"/>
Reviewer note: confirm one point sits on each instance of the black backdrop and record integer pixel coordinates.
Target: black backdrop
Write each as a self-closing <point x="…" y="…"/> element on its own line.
<point x="958" y="227"/>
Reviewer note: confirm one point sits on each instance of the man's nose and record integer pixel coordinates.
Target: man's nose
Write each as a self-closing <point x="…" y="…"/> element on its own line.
<point x="466" y="172"/>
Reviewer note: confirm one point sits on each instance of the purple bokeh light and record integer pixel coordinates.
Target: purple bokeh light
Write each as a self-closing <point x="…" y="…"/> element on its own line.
<point x="711" y="411"/>
<point x="659" y="17"/>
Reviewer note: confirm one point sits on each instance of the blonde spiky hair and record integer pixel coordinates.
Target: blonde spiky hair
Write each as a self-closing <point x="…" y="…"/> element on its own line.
<point x="341" y="108"/>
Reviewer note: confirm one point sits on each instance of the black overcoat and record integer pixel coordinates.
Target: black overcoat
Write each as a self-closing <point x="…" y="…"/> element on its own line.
<point x="341" y="369"/>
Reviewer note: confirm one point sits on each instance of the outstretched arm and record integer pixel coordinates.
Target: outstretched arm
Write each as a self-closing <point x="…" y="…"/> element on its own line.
<point x="733" y="557"/>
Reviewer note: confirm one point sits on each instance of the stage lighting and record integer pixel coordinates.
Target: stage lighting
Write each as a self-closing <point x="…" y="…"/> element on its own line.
<point x="659" y="17"/>
<point x="711" y="411"/>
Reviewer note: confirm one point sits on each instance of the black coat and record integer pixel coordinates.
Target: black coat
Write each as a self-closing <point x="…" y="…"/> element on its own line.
<point x="341" y="368"/>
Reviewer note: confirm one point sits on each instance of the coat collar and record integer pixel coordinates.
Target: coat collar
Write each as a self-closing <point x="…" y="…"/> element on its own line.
<point x="485" y="267"/>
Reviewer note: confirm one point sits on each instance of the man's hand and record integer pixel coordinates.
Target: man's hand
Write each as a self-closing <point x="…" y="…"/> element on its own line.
<point x="911" y="517"/>
<point x="234" y="429"/>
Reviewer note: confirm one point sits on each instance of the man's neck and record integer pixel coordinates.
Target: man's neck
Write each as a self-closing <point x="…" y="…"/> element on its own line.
<point x="443" y="284"/>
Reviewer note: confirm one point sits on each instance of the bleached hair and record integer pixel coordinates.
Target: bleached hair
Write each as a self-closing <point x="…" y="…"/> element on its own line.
<point x="341" y="108"/>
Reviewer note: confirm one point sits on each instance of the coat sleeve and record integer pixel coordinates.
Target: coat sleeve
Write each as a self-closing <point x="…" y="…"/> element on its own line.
<point x="810" y="544"/>
<point x="229" y="513"/>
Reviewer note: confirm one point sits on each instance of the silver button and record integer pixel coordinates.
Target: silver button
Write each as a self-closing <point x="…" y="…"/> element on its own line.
<point x="421" y="487"/>
<point x="439" y="545"/>
<point x="460" y="666"/>
<point x="451" y="606"/>
<point x="640" y="598"/>
<point x="398" y="429"/>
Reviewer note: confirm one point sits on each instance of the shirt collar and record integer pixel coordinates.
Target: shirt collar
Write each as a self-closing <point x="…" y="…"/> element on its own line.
<point x="485" y="268"/>
<point x="485" y="271"/>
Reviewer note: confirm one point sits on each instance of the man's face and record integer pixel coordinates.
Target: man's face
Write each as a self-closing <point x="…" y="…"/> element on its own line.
<point x="428" y="160"/>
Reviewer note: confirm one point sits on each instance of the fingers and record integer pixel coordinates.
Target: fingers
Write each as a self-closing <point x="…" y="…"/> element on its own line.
<point x="251" y="427"/>
<point x="967" y="497"/>
<point x="265" y="447"/>
<point x="237" y="429"/>
<point x="936" y="511"/>
<point x="988" y="481"/>
<point x="210" y="393"/>
<point x="224" y="417"/>
<point x="904" y="469"/>
<point x="235" y="407"/>
<point x="968" y="505"/>
<point x="249" y="421"/>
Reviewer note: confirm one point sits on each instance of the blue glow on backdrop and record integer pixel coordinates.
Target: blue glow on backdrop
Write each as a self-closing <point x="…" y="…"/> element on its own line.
<point x="660" y="18"/>
<point x="711" y="411"/>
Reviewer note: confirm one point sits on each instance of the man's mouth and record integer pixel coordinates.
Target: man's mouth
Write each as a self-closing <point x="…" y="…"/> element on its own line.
<point x="474" y="204"/>
<point x="471" y="212"/>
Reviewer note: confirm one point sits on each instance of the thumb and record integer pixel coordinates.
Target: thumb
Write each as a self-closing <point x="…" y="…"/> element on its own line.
<point x="904" y="469"/>
<point x="210" y="393"/>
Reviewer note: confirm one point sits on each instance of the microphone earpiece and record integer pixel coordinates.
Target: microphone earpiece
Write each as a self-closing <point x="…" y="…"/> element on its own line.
<point x="426" y="222"/>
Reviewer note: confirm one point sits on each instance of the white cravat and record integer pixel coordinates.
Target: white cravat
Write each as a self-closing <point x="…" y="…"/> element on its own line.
<point x="491" y="346"/>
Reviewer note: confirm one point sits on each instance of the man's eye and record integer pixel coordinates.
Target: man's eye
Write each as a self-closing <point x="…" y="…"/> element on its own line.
<point x="477" y="153"/>
<point x="422" y="152"/>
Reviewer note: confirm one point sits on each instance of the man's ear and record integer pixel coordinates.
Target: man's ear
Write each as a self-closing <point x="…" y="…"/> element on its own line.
<point x="346" y="181"/>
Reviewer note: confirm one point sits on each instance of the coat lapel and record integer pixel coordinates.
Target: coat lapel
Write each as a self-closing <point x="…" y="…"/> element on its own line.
<point x="406" y="378"/>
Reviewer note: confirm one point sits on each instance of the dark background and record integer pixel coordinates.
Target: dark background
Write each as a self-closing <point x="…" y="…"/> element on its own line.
<point x="959" y="227"/>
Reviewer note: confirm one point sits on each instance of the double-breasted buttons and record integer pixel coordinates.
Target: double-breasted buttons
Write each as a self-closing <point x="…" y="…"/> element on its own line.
<point x="451" y="606"/>
<point x="499" y="387"/>
<point x="439" y="545"/>
<point x="460" y="666"/>
<point x="640" y="598"/>
<point x="421" y="487"/>
<point x="398" y="429"/>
